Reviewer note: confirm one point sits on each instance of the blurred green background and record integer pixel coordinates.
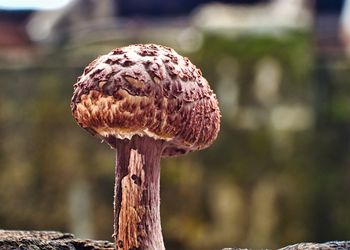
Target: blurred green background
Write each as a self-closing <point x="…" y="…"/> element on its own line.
<point x="279" y="172"/>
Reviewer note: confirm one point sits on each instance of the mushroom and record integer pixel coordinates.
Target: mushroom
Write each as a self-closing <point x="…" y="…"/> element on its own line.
<point x="146" y="101"/>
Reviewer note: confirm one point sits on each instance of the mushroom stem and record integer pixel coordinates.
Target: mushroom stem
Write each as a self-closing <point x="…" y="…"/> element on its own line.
<point x="136" y="194"/>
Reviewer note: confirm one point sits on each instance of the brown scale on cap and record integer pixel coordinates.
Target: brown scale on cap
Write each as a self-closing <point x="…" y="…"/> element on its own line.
<point x="147" y="90"/>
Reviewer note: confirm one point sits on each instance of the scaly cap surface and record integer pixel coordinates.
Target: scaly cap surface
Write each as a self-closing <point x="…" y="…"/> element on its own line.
<point x="147" y="90"/>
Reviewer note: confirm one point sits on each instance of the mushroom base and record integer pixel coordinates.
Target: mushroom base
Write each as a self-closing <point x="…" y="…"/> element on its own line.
<point x="137" y="189"/>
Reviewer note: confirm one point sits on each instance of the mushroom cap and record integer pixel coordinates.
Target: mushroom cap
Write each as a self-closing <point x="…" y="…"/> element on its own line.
<point x="147" y="90"/>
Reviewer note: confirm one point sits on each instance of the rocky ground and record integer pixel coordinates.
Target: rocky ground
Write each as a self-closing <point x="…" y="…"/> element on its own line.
<point x="52" y="240"/>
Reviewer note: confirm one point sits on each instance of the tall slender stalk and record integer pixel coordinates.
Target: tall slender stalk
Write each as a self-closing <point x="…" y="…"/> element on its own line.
<point x="136" y="196"/>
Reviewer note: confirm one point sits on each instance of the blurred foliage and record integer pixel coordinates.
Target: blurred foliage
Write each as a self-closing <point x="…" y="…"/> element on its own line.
<point x="278" y="173"/>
